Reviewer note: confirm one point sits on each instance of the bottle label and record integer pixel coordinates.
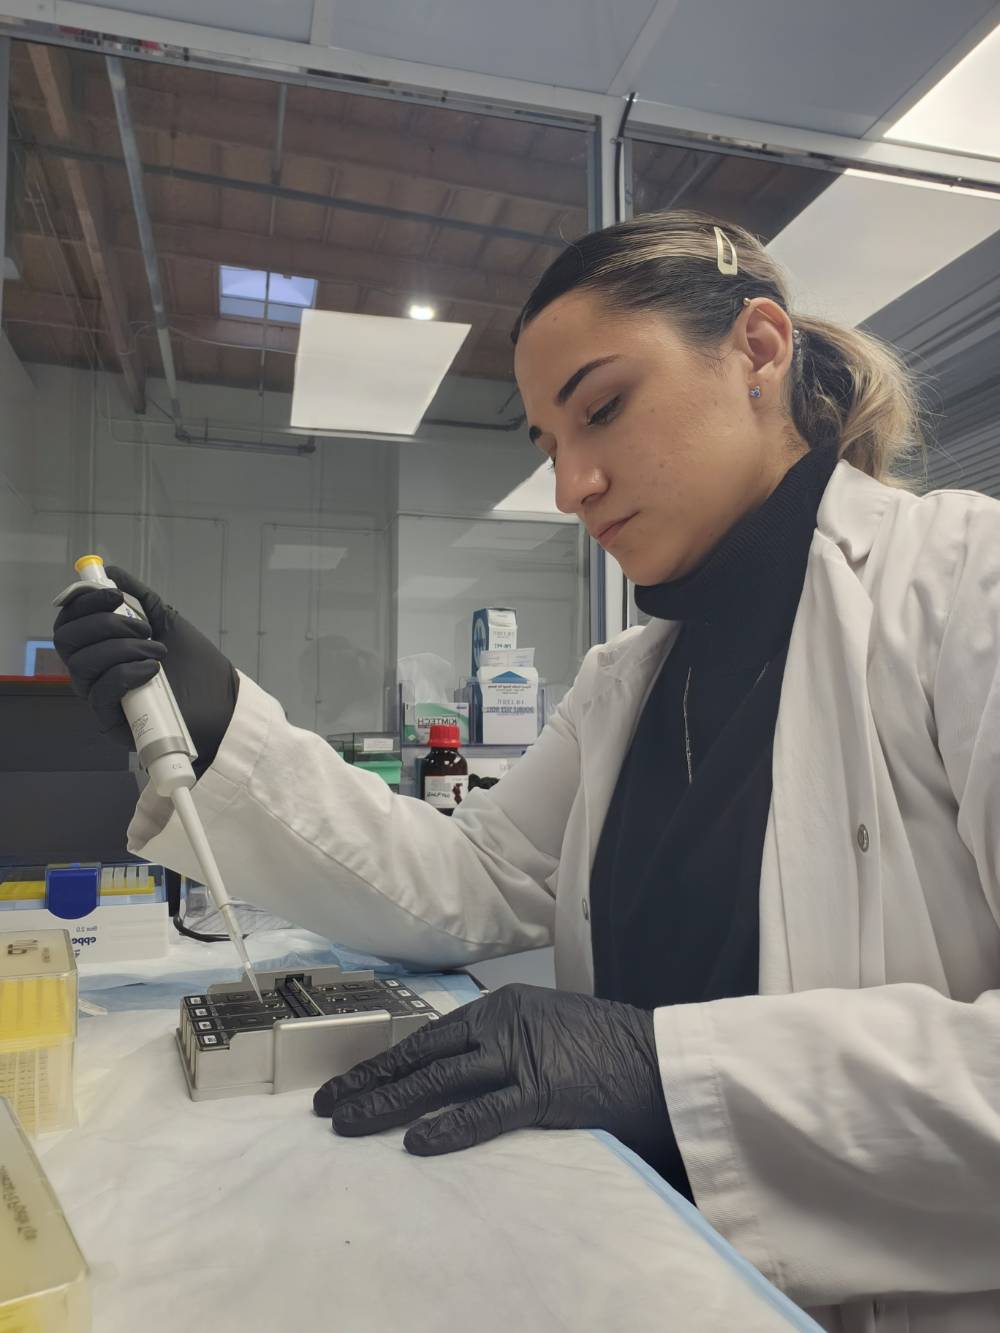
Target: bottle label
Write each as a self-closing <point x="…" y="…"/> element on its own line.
<point x="446" y="793"/>
<point x="377" y="745"/>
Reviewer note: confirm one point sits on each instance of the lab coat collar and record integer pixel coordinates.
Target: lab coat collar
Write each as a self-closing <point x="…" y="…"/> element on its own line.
<point x="852" y="509"/>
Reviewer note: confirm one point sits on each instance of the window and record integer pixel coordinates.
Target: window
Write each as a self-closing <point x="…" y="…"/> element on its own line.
<point x="252" y="293"/>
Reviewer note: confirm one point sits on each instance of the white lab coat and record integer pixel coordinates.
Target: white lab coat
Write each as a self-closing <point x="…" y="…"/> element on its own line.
<point x="842" y="1128"/>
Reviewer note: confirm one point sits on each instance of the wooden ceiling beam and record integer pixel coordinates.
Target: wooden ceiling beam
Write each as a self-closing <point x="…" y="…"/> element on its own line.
<point x="52" y="71"/>
<point x="180" y="244"/>
<point x="27" y="304"/>
<point x="333" y="142"/>
<point x="488" y="356"/>
<point x="335" y="264"/>
<point x="329" y="262"/>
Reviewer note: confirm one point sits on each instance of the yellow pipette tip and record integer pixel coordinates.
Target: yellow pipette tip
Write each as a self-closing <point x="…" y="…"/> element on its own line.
<point x="86" y="560"/>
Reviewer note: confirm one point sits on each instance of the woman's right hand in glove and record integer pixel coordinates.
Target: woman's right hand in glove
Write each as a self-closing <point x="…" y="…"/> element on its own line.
<point x="107" y="655"/>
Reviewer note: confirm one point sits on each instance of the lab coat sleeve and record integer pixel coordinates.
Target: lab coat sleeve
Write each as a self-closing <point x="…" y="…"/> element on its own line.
<point x="297" y="830"/>
<point x="848" y="1142"/>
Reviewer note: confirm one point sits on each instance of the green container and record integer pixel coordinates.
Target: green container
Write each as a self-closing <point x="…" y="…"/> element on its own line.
<point x="376" y="751"/>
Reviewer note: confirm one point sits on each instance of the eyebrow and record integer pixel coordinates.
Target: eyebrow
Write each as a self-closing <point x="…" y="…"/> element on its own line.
<point x="571" y="386"/>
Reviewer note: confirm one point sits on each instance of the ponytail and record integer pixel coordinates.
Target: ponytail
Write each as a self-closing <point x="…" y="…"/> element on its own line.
<point x="851" y="391"/>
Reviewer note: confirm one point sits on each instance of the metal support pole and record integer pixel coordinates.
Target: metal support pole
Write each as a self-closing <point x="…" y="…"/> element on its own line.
<point x="608" y="606"/>
<point x="4" y="156"/>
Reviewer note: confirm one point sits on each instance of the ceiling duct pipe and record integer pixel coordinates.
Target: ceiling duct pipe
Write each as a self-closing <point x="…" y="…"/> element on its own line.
<point x="133" y="166"/>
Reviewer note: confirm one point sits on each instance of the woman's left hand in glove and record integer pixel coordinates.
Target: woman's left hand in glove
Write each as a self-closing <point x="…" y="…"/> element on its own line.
<point x="521" y="1056"/>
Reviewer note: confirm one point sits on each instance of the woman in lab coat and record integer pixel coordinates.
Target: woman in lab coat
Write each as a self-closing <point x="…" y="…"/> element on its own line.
<point x="764" y="829"/>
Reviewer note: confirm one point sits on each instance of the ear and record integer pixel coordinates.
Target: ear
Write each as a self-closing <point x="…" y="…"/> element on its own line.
<point x="765" y="335"/>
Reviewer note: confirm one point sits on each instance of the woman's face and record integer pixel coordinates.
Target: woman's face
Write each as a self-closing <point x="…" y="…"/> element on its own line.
<point x="658" y="448"/>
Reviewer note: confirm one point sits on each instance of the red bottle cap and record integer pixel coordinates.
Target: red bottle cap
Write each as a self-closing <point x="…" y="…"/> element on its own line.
<point x="444" y="736"/>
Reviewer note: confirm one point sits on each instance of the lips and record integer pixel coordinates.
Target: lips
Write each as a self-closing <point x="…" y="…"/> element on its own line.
<point x="611" y="531"/>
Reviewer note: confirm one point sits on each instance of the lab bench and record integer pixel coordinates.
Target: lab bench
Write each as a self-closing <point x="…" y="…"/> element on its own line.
<point x="248" y="1213"/>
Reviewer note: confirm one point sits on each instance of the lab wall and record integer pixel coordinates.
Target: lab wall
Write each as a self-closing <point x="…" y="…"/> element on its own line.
<point x="231" y="536"/>
<point x="313" y="571"/>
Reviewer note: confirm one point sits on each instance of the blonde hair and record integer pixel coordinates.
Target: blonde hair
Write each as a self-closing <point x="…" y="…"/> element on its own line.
<point x="846" y="389"/>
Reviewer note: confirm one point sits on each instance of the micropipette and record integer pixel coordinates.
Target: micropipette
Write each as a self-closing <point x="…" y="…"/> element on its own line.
<point x="165" y="750"/>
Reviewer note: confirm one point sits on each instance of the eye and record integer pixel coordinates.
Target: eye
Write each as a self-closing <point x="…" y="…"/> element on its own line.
<point x="605" y="414"/>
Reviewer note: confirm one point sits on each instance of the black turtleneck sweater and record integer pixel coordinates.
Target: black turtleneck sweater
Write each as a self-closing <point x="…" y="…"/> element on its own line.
<point x="675" y="883"/>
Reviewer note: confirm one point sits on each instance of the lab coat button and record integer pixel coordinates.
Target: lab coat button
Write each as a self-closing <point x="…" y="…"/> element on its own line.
<point x="586" y="909"/>
<point x="864" y="841"/>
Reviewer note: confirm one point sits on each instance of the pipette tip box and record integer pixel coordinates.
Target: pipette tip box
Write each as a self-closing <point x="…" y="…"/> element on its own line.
<point x="44" y="1282"/>
<point x="114" y="913"/>
<point x="38" y="995"/>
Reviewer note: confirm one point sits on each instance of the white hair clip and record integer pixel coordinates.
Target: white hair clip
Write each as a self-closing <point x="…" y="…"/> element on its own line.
<point x="728" y="266"/>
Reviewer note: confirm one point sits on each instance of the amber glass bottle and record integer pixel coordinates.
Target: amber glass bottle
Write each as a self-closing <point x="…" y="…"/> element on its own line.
<point x="444" y="774"/>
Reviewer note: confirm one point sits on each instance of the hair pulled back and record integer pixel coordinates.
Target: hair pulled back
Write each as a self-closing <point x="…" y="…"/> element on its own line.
<point x="846" y="390"/>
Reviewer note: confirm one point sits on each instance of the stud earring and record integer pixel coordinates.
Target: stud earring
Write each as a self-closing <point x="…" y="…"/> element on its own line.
<point x="755" y="391"/>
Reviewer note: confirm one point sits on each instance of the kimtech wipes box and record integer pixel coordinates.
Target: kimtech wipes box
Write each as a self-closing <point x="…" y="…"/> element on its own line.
<point x="506" y="709"/>
<point x="419" y="718"/>
<point x="493" y="627"/>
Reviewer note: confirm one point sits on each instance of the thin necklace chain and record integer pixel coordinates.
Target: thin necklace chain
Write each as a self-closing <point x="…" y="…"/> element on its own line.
<point x="687" y="726"/>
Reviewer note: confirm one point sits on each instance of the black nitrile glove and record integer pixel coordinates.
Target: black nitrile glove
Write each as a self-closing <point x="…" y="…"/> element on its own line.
<point x="518" y="1057"/>
<point x="107" y="655"/>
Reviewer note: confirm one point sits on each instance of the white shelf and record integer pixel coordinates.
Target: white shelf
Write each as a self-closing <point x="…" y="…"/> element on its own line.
<point x="500" y="751"/>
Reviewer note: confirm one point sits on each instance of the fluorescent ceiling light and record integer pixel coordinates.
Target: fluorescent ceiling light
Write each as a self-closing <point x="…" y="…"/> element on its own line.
<point x="253" y="293"/>
<point x="536" y="495"/>
<point x="962" y="111"/>
<point x="293" y="556"/>
<point x="432" y="587"/>
<point x="866" y="240"/>
<point x="369" y="372"/>
<point x="503" y="535"/>
<point x="421" y="312"/>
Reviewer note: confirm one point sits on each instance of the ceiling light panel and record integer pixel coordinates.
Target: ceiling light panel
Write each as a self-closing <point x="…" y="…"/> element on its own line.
<point x="962" y="111"/>
<point x="316" y="558"/>
<point x="535" y="495"/>
<point x="369" y="373"/>
<point x="433" y="588"/>
<point x="868" y="239"/>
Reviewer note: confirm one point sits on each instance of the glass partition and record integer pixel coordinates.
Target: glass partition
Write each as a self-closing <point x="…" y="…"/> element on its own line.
<point x="206" y="274"/>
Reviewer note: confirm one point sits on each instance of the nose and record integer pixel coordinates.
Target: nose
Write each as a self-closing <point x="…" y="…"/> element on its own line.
<point x="578" y="481"/>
